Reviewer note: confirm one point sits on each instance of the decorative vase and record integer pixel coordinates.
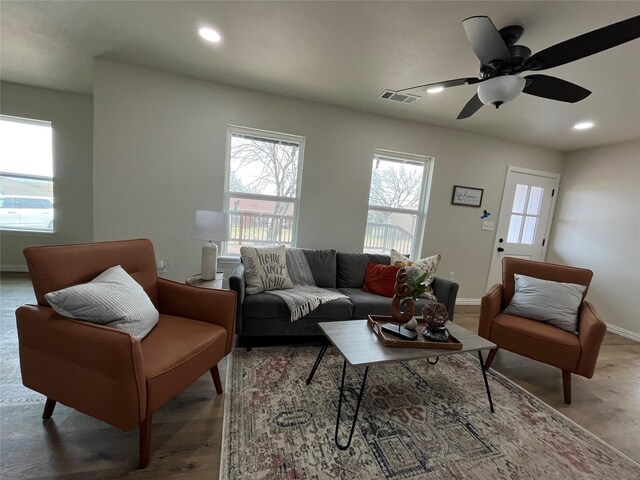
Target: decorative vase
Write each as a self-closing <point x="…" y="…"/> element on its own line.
<point x="435" y="316"/>
<point x="402" y="299"/>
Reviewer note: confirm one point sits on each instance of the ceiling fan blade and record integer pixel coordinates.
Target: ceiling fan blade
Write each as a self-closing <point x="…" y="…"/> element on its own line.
<point x="446" y="84"/>
<point x="485" y="39"/>
<point x="554" y="88"/>
<point x="471" y="107"/>
<point x="584" y="45"/>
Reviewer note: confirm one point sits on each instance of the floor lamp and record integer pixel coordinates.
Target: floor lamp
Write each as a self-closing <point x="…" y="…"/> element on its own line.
<point x="213" y="227"/>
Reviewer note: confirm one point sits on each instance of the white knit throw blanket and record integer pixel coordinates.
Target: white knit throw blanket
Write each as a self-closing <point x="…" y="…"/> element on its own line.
<point x="304" y="297"/>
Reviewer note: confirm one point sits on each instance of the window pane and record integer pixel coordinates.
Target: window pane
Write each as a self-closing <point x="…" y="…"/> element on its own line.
<point x="520" y="198"/>
<point x="396" y="184"/>
<point x="26" y="147"/>
<point x="515" y="225"/>
<point x="259" y="223"/>
<point x="263" y="166"/>
<point x="535" y="200"/>
<point x="387" y="230"/>
<point x="529" y="231"/>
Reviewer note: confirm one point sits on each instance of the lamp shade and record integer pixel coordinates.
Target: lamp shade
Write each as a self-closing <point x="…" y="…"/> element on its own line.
<point x="499" y="90"/>
<point x="211" y="226"/>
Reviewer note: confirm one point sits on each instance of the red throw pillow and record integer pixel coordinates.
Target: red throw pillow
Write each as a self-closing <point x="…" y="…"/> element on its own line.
<point x="380" y="279"/>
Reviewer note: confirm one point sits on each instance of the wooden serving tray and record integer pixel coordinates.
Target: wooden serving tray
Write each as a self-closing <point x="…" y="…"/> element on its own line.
<point x="390" y="340"/>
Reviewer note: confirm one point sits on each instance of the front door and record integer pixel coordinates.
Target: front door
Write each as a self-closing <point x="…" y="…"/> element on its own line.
<point x="528" y="202"/>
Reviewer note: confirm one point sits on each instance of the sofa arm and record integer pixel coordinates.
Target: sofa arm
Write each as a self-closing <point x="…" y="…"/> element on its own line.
<point x="446" y="292"/>
<point x="591" y="330"/>
<point x="490" y="308"/>
<point x="238" y="284"/>
<point x="95" y="369"/>
<point x="204" y="304"/>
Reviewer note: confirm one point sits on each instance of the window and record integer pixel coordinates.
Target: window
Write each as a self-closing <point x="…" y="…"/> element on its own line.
<point x="524" y="214"/>
<point x="397" y="203"/>
<point x="264" y="171"/>
<point x="26" y="175"/>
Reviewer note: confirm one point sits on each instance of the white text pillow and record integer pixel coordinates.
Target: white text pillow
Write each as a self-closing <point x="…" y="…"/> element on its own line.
<point x="113" y="299"/>
<point x="265" y="269"/>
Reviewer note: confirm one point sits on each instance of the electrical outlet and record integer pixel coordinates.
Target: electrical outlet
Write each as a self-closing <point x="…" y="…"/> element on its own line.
<point x="488" y="226"/>
<point x="452" y="276"/>
<point x="163" y="266"/>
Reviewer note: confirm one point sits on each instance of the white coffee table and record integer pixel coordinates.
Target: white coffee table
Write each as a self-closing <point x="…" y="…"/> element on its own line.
<point x="359" y="346"/>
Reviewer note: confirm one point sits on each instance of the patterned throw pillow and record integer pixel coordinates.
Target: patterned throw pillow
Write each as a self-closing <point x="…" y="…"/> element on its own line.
<point x="427" y="265"/>
<point x="113" y="299"/>
<point x="265" y="269"/>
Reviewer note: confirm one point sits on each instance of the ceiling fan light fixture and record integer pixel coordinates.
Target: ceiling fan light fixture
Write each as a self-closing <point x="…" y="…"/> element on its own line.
<point x="436" y="89"/>
<point x="209" y="34"/>
<point x="499" y="90"/>
<point x="583" y="126"/>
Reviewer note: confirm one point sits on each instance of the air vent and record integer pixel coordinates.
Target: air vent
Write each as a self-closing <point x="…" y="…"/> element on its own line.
<point x="398" y="97"/>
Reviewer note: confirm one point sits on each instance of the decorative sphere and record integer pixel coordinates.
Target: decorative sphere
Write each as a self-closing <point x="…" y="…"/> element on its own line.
<point x="435" y="314"/>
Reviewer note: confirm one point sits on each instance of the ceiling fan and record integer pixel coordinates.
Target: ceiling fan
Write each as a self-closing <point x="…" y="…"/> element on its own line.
<point x="502" y="62"/>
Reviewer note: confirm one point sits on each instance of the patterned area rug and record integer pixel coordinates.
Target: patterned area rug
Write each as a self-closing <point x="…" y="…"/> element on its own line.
<point x="416" y="421"/>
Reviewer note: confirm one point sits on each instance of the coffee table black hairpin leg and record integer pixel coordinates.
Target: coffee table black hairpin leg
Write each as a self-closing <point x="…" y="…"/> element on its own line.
<point x="486" y="383"/>
<point x="318" y="360"/>
<point x="355" y="414"/>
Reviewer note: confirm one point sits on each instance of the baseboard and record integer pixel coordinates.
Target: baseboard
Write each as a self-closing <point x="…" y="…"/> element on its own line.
<point x="13" y="268"/>
<point x="468" y="301"/>
<point x="623" y="332"/>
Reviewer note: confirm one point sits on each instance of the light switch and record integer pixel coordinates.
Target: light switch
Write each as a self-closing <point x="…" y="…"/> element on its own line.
<point x="488" y="226"/>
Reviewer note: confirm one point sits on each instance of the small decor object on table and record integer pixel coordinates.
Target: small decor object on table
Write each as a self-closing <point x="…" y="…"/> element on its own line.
<point x="435" y="316"/>
<point x="402" y="298"/>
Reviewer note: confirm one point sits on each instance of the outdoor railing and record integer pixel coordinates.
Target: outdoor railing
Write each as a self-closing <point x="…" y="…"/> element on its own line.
<point x="260" y="228"/>
<point x="383" y="237"/>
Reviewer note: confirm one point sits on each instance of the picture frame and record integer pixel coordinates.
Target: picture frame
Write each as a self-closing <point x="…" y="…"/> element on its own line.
<point x="467" y="196"/>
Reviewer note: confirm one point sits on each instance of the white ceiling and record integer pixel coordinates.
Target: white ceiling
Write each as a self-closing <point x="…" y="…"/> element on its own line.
<point x="340" y="53"/>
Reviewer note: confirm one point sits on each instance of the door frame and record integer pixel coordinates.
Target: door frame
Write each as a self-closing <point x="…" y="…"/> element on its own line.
<point x="552" y="208"/>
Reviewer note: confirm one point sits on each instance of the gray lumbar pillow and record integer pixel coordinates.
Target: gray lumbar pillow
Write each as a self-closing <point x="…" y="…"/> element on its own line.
<point x="552" y="302"/>
<point x="113" y="299"/>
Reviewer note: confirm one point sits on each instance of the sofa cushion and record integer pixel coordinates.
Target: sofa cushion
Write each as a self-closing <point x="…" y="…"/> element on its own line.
<point x="265" y="268"/>
<point x="420" y="267"/>
<point x="553" y="302"/>
<point x="380" y="279"/>
<point x="561" y="348"/>
<point x="262" y="305"/>
<point x="352" y="267"/>
<point x="113" y="299"/>
<point x="365" y="303"/>
<point x="323" y="267"/>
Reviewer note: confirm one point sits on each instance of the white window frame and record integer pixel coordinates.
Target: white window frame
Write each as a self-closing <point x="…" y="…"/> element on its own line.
<point x="421" y="212"/>
<point x="273" y="136"/>
<point x="46" y="123"/>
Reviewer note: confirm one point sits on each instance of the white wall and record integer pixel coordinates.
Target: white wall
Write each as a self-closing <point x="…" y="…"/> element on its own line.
<point x="597" y="226"/>
<point x="71" y="116"/>
<point x="159" y="155"/>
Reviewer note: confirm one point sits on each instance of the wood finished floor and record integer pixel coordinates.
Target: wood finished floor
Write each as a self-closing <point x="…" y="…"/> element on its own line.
<point x="187" y="431"/>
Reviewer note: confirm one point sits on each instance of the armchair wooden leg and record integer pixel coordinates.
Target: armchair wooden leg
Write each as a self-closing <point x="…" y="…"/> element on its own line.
<point x="490" y="357"/>
<point x="215" y="374"/>
<point x="48" y="408"/>
<point x="145" y="442"/>
<point x="566" y="384"/>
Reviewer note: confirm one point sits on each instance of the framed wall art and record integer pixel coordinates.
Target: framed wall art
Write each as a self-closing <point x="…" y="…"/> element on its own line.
<point x="467" y="196"/>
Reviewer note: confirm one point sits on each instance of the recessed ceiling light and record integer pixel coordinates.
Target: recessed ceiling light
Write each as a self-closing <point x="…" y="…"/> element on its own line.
<point x="435" y="89"/>
<point x="583" y="126"/>
<point x="209" y="34"/>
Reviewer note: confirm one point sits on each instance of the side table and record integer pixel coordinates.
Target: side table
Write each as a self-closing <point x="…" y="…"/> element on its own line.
<point x="196" y="281"/>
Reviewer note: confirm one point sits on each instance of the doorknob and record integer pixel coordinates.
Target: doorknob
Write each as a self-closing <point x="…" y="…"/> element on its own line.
<point x="500" y="249"/>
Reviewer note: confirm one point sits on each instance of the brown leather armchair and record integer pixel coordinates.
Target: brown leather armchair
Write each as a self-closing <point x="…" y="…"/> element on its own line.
<point x="538" y="340"/>
<point x="105" y="372"/>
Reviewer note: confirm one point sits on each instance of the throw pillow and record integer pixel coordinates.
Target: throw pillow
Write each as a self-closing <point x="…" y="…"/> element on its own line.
<point x="113" y="299"/>
<point x="380" y="279"/>
<point x="547" y="301"/>
<point x="265" y="269"/>
<point x="427" y="265"/>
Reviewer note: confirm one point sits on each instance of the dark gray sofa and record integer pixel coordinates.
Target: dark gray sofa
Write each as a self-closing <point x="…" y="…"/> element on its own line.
<point x="261" y="314"/>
